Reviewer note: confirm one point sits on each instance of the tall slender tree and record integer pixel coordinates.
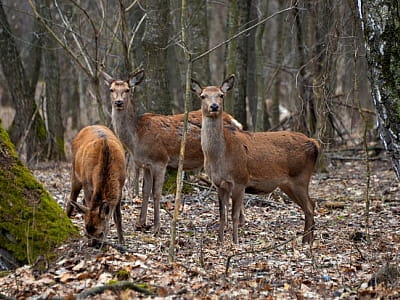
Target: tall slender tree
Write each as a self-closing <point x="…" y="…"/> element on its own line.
<point x="53" y="110"/>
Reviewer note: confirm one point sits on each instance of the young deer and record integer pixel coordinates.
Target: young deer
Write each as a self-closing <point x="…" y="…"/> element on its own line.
<point x="154" y="140"/>
<point x="99" y="167"/>
<point x="237" y="160"/>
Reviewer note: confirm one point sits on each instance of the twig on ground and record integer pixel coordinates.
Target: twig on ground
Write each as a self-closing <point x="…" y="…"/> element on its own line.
<point x="228" y="260"/>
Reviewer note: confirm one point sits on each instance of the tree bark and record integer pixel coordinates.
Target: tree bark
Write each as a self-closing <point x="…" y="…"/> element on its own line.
<point x="155" y="42"/>
<point x="381" y="23"/>
<point x="262" y="120"/>
<point x="31" y="221"/>
<point x="231" y="50"/>
<point x="27" y="128"/>
<point x="51" y="72"/>
<point x="240" y="91"/>
<point x="198" y="43"/>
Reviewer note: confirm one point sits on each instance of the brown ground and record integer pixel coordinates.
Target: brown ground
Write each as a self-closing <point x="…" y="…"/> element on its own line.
<point x="340" y="264"/>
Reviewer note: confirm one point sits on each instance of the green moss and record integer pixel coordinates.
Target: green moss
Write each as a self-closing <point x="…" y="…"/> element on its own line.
<point x="60" y="144"/>
<point x="169" y="186"/>
<point x="41" y="129"/>
<point x="122" y="274"/>
<point x="31" y="221"/>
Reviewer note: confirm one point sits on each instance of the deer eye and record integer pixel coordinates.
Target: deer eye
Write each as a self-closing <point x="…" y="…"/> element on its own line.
<point x="111" y="90"/>
<point x="203" y="97"/>
<point x="221" y="96"/>
<point x="127" y="90"/>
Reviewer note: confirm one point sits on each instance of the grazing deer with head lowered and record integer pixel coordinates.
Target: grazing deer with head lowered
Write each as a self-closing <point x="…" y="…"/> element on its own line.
<point x="98" y="167"/>
<point x="237" y="160"/>
<point x="154" y="140"/>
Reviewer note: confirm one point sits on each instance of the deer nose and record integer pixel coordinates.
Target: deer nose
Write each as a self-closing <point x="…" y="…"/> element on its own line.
<point x="119" y="103"/>
<point x="214" y="107"/>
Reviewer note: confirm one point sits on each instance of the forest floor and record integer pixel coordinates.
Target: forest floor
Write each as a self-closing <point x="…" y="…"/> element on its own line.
<point x="270" y="262"/>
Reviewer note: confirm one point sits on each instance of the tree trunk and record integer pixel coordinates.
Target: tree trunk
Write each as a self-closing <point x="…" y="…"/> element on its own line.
<point x="276" y="93"/>
<point x="27" y="128"/>
<point x="155" y="42"/>
<point x="240" y="91"/>
<point x="262" y="120"/>
<point x="198" y="43"/>
<point x="51" y="72"/>
<point x="31" y="221"/>
<point x="381" y="20"/>
<point x="251" y="71"/>
<point x="231" y="50"/>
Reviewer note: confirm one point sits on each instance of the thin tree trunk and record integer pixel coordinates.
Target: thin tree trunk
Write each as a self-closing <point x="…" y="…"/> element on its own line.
<point x="198" y="42"/>
<point x="179" y="176"/>
<point x="251" y="88"/>
<point x="262" y="114"/>
<point x="51" y="71"/>
<point x="231" y="50"/>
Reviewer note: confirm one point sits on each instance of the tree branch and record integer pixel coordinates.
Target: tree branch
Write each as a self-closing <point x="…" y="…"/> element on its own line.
<point x="242" y="32"/>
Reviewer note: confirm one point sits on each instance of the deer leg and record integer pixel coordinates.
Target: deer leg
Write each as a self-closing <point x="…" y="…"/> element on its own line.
<point x="299" y="194"/>
<point x="237" y="206"/>
<point x="242" y="218"/>
<point x="159" y="175"/>
<point x="76" y="187"/>
<point x="147" y="185"/>
<point x="118" y="222"/>
<point x="224" y="191"/>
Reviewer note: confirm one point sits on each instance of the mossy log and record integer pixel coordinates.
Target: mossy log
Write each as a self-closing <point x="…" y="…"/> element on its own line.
<point x="31" y="221"/>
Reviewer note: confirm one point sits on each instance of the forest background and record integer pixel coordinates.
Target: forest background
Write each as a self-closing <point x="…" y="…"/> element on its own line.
<point x="304" y="68"/>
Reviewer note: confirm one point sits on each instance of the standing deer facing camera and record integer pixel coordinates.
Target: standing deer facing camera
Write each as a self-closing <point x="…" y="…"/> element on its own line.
<point x="154" y="140"/>
<point x="237" y="160"/>
<point x="98" y="167"/>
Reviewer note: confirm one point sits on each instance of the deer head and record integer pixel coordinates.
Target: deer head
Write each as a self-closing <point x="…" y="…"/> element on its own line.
<point x="120" y="90"/>
<point x="212" y="96"/>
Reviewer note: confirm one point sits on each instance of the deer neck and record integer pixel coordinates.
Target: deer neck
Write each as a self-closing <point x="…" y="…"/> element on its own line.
<point x="212" y="139"/>
<point x="125" y="124"/>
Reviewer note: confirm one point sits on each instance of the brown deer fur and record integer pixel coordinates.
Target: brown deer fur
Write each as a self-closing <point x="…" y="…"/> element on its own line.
<point x="99" y="167"/>
<point x="154" y="140"/>
<point x="237" y="160"/>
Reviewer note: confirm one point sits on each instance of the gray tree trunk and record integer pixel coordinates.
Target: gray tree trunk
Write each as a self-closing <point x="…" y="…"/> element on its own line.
<point x="198" y="43"/>
<point x="155" y="42"/>
<point x="231" y="50"/>
<point x="381" y="24"/>
<point x="240" y="91"/>
<point x="27" y="128"/>
<point x="51" y="72"/>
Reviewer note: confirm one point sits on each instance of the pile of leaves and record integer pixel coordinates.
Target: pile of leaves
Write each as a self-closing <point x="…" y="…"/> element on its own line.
<point x="352" y="257"/>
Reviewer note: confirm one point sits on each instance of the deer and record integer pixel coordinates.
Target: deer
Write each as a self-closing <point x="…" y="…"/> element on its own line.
<point x="238" y="161"/>
<point x="154" y="140"/>
<point x="98" y="166"/>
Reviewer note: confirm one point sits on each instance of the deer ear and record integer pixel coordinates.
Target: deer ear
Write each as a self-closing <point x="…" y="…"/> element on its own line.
<point x="228" y="83"/>
<point x="136" y="78"/>
<point x="107" y="78"/>
<point x="195" y="87"/>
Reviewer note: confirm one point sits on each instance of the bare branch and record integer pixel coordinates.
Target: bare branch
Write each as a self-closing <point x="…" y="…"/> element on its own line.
<point x="58" y="40"/>
<point x="242" y="32"/>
